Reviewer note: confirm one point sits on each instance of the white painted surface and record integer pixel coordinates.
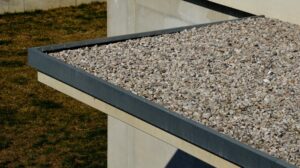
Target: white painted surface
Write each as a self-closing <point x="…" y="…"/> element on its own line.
<point x="29" y="5"/>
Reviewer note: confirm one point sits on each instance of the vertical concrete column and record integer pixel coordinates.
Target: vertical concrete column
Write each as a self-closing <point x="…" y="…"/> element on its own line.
<point x="129" y="147"/>
<point x="120" y="139"/>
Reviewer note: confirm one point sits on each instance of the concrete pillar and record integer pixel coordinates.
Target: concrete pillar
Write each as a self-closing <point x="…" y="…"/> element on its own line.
<point x="129" y="147"/>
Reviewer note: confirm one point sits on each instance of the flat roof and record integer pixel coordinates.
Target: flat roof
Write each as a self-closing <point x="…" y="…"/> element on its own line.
<point x="240" y="78"/>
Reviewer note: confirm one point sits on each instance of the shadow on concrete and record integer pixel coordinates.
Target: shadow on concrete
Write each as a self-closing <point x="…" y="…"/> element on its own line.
<point x="183" y="160"/>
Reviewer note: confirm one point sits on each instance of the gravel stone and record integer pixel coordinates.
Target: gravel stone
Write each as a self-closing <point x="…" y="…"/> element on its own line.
<point x="241" y="78"/>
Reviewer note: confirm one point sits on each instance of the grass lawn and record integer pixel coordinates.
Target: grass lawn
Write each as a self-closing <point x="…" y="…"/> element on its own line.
<point x="40" y="127"/>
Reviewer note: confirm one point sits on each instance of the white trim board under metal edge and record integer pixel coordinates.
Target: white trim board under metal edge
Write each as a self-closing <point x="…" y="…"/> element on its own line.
<point x="181" y="144"/>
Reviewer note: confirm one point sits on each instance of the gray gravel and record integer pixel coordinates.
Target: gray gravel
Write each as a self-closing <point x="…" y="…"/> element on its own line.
<point x="240" y="78"/>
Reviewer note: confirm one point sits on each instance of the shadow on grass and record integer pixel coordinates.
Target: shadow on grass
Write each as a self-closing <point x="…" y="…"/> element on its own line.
<point x="42" y="39"/>
<point x="11" y="64"/>
<point x="4" y="142"/>
<point x="7" y="116"/>
<point x="46" y="104"/>
<point x="13" y="52"/>
<point x="27" y="13"/>
<point x="41" y="140"/>
<point x="90" y="16"/>
<point x="5" y="42"/>
<point x="20" y="80"/>
<point x="98" y="131"/>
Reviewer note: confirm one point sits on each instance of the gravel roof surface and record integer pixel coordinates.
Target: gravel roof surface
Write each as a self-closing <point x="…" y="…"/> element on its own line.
<point x="241" y="78"/>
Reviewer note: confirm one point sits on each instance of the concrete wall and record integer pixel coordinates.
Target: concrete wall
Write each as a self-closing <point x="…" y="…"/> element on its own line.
<point x="287" y="10"/>
<point x="131" y="16"/>
<point x="28" y="5"/>
<point x="129" y="147"/>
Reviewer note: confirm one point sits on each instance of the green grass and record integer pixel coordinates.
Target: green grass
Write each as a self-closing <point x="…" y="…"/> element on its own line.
<point x="11" y="64"/>
<point x="5" y="42"/>
<point x="40" y="127"/>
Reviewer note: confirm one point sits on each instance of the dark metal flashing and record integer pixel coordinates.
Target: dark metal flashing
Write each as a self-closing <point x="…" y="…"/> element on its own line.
<point x="156" y="115"/>
<point x="221" y="8"/>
